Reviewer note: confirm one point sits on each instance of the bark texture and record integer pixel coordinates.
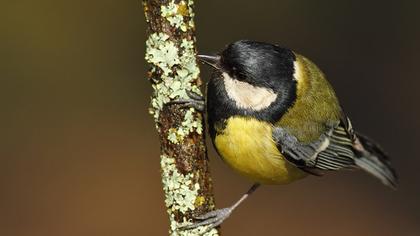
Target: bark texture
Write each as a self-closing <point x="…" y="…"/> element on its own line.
<point x="171" y="50"/>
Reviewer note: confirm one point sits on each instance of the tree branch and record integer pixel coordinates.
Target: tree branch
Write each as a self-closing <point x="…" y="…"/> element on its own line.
<point x="171" y="50"/>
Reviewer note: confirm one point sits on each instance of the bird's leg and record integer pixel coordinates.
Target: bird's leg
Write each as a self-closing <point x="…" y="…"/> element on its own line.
<point x="195" y="101"/>
<point x="215" y="218"/>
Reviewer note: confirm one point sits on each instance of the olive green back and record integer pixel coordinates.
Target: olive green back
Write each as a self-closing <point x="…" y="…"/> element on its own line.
<point x="316" y="104"/>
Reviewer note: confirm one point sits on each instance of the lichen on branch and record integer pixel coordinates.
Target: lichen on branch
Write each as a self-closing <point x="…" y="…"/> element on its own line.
<point x="179" y="70"/>
<point x="180" y="196"/>
<point x="170" y="50"/>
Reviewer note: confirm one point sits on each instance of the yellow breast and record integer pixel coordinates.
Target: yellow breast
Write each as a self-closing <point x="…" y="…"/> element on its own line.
<point x="246" y="145"/>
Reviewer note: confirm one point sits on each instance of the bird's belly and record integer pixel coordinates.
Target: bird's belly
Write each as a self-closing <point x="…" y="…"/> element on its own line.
<point x="246" y="145"/>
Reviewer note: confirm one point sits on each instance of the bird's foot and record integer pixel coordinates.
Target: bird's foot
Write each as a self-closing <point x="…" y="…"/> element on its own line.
<point x="195" y="101"/>
<point x="211" y="219"/>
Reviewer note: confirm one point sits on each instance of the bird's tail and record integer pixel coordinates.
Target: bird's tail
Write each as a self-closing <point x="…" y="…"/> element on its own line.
<point x="373" y="160"/>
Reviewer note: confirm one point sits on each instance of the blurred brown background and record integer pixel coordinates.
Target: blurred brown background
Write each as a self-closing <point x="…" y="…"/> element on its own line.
<point x="79" y="154"/>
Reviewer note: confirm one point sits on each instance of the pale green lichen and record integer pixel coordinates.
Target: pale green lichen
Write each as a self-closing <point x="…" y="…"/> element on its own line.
<point x="175" y="14"/>
<point x="179" y="69"/>
<point x="172" y="14"/>
<point x="180" y="195"/>
<point x="191" y="13"/>
<point x="162" y="52"/>
<point x="174" y="71"/>
<point x="179" y="191"/>
<point x="189" y="124"/>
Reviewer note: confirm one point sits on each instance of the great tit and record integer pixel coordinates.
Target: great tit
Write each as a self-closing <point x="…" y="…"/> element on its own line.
<point x="274" y="118"/>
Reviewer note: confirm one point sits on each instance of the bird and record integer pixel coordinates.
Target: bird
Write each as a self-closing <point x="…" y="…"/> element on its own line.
<point x="274" y="118"/>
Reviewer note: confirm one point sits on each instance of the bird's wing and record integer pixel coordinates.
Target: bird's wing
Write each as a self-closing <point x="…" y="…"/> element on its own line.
<point x="332" y="151"/>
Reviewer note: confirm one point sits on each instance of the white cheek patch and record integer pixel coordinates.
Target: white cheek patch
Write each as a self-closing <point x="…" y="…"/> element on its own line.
<point x="298" y="71"/>
<point x="248" y="96"/>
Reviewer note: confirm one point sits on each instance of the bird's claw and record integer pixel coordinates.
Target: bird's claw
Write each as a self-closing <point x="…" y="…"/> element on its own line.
<point x="211" y="219"/>
<point x="195" y="96"/>
<point x="195" y="101"/>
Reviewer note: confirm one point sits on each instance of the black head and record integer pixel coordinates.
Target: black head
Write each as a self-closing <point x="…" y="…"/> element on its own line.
<point x="257" y="63"/>
<point x="269" y="71"/>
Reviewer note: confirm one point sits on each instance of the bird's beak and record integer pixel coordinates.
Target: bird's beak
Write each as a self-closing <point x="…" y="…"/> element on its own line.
<point x="213" y="61"/>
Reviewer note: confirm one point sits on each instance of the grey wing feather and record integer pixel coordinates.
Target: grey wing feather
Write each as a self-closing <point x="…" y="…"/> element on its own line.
<point x="332" y="151"/>
<point x="340" y="147"/>
<point x="339" y="153"/>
